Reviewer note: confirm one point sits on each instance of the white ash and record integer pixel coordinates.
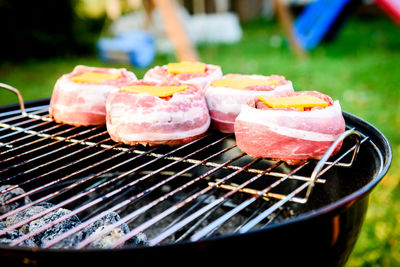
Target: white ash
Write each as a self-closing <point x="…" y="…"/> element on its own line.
<point x="49" y="233"/>
<point x="9" y="195"/>
<point x="7" y="238"/>
<point x="56" y="230"/>
<point x="23" y="215"/>
<point x="38" y="240"/>
<point x="104" y="241"/>
<point x="109" y="238"/>
<point x="106" y="220"/>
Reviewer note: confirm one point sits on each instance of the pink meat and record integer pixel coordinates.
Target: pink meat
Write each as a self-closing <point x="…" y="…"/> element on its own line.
<point x="289" y="135"/>
<point x="82" y="103"/>
<point x="224" y="103"/>
<point x="159" y="74"/>
<point x="150" y="120"/>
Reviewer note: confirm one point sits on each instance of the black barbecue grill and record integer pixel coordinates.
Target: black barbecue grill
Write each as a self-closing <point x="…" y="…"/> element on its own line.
<point x="203" y="200"/>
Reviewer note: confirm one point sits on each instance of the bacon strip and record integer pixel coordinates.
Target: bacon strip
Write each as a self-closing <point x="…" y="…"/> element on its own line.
<point x="83" y="103"/>
<point x="159" y="74"/>
<point x="150" y="120"/>
<point x="224" y="103"/>
<point x="288" y="135"/>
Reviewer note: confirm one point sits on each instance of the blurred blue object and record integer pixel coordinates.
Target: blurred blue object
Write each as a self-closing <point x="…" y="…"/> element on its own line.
<point x="134" y="47"/>
<point x="316" y="20"/>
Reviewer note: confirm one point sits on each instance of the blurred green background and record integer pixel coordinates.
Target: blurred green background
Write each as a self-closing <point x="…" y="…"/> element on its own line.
<point x="359" y="67"/>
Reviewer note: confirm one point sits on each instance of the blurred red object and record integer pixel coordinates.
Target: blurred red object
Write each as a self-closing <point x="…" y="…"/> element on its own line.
<point x="392" y="8"/>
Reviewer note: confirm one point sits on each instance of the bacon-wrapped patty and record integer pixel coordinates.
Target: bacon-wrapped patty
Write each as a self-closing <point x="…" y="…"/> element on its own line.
<point x="150" y="113"/>
<point x="185" y="72"/>
<point x="79" y="97"/>
<point x="292" y="129"/>
<point x="226" y="96"/>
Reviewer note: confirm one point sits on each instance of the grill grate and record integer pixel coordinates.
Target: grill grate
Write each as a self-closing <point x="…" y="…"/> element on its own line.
<point x="171" y="194"/>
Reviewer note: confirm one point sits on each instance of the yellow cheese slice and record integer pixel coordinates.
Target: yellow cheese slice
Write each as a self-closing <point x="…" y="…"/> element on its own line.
<point x="299" y="101"/>
<point x="95" y="77"/>
<point x="160" y="91"/>
<point x="186" y="67"/>
<point x="241" y="82"/>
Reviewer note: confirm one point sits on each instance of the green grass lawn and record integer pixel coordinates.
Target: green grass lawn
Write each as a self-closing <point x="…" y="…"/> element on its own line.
<point x="360" y="68"/>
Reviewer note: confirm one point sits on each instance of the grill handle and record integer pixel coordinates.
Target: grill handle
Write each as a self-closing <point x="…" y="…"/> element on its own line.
<point x="317" y="170"/>
<point x="15" y="91"/>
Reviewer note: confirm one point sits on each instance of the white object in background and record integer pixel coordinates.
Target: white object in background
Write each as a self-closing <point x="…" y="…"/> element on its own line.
<point x="201" y="28"/>
<point x="215" y="28"/>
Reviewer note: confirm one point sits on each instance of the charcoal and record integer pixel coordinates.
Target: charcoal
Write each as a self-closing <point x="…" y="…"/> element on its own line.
<point x="9" y="195"/>
<point x="38" y="240"/>
<point x="138" y="240"/>
<point x="57" y="229"/>
<point x="8" y="237"/>
<point x="106" y="220"/>
<point x="23" y="215"/>
<point x="68" y="242"/>
<point x="109" y="238"/>
<point x="44" y="204"/>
